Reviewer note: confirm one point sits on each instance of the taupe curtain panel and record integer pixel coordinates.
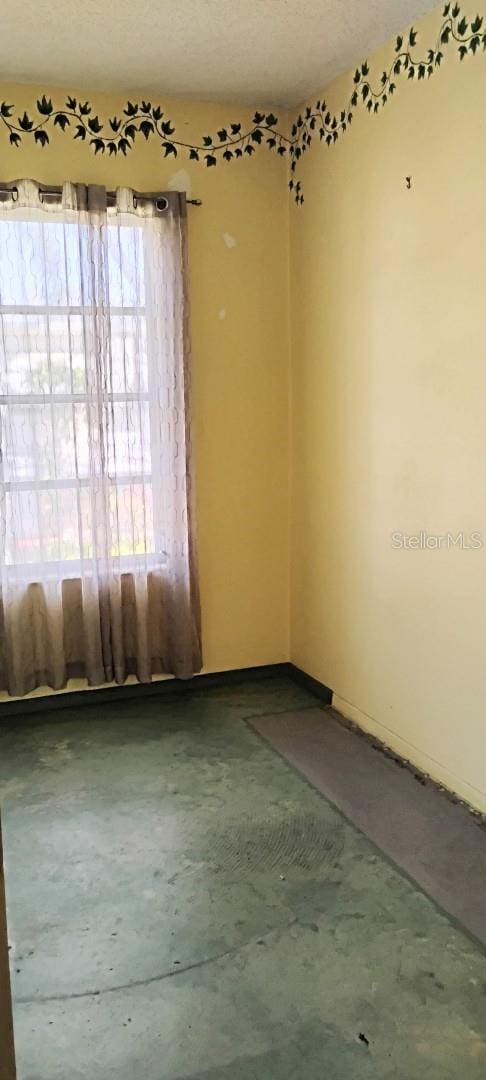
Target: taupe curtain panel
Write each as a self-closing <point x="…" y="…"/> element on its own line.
<point x="97" y="546"/>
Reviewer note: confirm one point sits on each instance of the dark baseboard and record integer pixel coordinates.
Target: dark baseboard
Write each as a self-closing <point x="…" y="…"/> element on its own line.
<point x="309" y="683"/>
<point x="161" y="688"/>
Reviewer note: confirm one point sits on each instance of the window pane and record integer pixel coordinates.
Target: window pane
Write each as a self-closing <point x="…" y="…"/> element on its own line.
<point x="129" y="354"/>
<point x="38" y="442"/>
<point x="57" y="526"/>
<point x="53" y="442"/>
<point x="131" y="517"/>
<point x="42" y="354"/>
<point x="42" y="526"/>
<point x="125" y="266"/>
<point x="40" y="263"/>
<point x="129" y="439"/>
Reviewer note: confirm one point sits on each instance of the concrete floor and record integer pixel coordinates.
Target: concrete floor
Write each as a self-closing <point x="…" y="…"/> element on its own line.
<point x="183" y="904"/>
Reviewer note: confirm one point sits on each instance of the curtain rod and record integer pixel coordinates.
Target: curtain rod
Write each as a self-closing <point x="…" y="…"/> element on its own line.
<point x="54" y="191"/>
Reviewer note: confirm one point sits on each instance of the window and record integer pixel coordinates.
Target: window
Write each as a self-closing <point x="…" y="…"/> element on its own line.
<point x="50" y="395"/>
<point x="97" y="550"/>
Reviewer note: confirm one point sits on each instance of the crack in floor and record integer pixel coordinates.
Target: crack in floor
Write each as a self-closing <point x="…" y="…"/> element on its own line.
<point x="137" y="983"/>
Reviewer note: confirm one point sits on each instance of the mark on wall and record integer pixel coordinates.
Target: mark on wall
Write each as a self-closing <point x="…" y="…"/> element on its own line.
<point x="222" y="313"/>
<point x="181" y="181"/>
<point x="229" y="240"/>
<point x="118" y="134"/>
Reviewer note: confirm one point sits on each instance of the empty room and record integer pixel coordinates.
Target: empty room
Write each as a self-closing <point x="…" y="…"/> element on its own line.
<point x="243" y="541"/>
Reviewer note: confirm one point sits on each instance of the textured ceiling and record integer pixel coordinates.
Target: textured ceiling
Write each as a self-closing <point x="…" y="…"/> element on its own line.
<point x="275" y="52"/>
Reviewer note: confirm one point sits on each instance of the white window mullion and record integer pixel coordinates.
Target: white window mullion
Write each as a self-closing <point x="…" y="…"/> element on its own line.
<point x="63" y="309"/>
<point x="120" y="480"/>
<point x="66" y="399"/>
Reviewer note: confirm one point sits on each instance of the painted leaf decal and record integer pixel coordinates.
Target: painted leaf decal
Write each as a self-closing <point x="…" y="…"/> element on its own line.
<point x="25" y="123"/>
<point x="233" y="140"/>
<point x="62" y="121"/>
<point x="146" y="127"/>
<point x="44" y="106"/>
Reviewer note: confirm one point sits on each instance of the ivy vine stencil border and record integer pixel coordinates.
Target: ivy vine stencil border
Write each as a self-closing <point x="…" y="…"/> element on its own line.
<point x="117" y="135"/>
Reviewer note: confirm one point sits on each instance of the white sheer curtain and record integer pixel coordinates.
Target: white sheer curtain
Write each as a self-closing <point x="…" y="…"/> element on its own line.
<point x="97" y="550"/>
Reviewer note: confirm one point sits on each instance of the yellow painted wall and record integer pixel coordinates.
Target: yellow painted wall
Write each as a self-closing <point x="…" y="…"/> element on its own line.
<point x="388" y="291"/>
<point x="387" y="391"/>
<point x="239" y="289"/>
